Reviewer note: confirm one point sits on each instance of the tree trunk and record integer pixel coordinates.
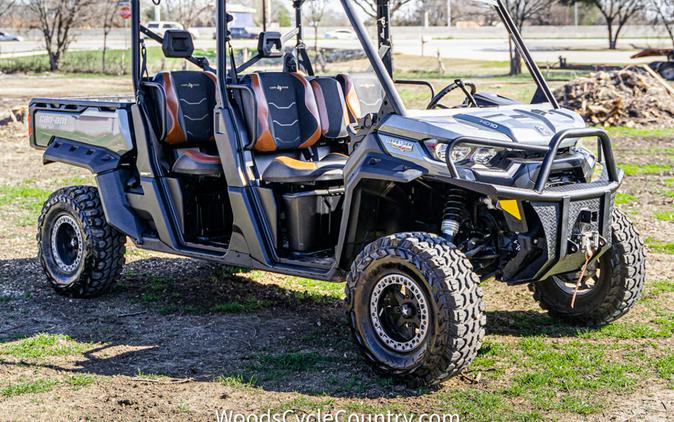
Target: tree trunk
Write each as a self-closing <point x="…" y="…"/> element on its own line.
<point x="516" y="63"/>
<point x="316" y="39"/>
<point x="515" y="59"/>
<point x="105" y="48"/>
<point x="612" y="41"/>
<point x="53" y="61"/>
<point x="618" y="31"/>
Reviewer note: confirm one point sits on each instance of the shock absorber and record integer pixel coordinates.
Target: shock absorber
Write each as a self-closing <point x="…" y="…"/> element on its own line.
<point x="451" y="216"/>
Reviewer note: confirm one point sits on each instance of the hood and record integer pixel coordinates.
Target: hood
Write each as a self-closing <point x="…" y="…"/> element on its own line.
<point x="526" y="124"/>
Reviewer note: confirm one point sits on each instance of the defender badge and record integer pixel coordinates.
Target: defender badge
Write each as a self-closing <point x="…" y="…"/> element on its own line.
<point x="402" y="146"/>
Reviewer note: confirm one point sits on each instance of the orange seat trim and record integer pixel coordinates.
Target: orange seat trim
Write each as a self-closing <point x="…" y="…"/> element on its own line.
<point x="296" y="164"/>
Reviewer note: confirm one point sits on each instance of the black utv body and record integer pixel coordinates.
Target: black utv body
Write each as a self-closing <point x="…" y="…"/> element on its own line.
<point x="332" y="178"/>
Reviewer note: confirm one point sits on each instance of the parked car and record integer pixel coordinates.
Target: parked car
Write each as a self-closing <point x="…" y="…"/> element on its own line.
<point x="161" y="27"/>
<point x="341" y="34"/>
<point x="240" y="34"/>
<point x="6" y="36"/>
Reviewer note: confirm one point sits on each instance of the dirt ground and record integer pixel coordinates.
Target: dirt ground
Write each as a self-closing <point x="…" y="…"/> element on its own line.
<point x="181" y="339"/>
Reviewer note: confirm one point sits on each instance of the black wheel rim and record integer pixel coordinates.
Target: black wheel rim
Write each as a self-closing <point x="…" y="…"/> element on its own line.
<point x="399" y="312"/>
<point x="66" y="244"/>
<point x="591" y="282"/>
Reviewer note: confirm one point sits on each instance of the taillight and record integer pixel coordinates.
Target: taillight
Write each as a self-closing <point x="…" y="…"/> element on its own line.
<point x="29" y="120"/>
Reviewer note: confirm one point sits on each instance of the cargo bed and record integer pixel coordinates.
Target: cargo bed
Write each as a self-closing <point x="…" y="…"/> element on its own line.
<point x="102" y="122"/>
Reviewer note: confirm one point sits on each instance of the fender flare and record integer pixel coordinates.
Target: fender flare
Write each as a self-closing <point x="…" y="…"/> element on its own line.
<point x="110" y="178"/>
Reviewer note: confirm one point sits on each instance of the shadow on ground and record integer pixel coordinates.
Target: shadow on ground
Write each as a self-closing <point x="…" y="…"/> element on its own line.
<point x="183" y="318"/>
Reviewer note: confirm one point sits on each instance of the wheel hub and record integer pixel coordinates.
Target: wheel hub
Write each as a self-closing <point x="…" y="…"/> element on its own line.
<point x="399" y="312"/>
<point x="66" y="244"/>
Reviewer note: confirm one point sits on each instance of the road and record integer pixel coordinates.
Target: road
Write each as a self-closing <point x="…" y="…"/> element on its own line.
<point x="486" y="45"/>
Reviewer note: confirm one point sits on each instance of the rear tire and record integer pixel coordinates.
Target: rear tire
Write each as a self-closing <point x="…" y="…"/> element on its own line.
<point x="622" y="275"/>
<point x="426" y="281"/>
<point x="82" y="255"/>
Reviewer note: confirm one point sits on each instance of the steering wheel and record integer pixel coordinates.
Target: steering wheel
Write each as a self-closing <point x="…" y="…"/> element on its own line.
<point x="459" y="83"/>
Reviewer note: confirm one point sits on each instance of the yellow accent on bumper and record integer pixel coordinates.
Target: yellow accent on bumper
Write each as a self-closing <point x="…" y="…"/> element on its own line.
<point x="512" y="207"/>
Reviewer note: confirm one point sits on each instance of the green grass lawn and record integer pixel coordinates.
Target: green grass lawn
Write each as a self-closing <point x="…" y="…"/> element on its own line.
<point x="44" y="345"/>
<point x="626" y="132"/>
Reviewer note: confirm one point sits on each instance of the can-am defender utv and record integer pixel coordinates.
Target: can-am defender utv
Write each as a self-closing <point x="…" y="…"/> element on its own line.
<point x="332" y="178"/>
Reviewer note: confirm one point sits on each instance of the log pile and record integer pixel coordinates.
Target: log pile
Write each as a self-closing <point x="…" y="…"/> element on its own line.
<point x="12" y="115"/>
<point x="631" y="97"/>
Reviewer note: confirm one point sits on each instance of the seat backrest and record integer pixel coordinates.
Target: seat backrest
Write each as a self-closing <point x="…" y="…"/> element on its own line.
<point x="331" y="107"/>
<point x="287" y="113"/>
<point x="364" y="94"/>
<point x="190" y="101"/>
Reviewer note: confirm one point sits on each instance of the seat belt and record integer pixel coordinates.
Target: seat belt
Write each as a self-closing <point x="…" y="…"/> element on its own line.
<point x="232" y="63"/>
<point x="305" y="61"/>
<point x="143" y="54"/>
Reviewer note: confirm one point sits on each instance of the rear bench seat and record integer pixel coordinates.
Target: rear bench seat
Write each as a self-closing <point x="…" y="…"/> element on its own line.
<point x="187" y="102"/>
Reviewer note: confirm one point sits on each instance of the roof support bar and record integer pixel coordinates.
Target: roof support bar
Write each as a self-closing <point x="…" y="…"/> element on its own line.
<point x="299" y="24"/>
<point x="384" y="33"/>
<point x="303" y="58"/>
<point x="135" y="45"/>
<point x="221" y="48"/>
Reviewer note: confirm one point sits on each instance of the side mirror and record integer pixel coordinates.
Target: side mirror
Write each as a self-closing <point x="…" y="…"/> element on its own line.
<point x="270" y="45"/>
<point x="177" y="44"/>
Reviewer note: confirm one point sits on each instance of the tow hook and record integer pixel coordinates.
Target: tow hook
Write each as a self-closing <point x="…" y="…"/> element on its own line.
<point x="590" y="243"/>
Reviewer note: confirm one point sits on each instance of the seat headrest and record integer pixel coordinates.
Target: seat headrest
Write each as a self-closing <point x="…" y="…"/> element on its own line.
<point x="177" y="44"/>
<point x="287" y="113"/>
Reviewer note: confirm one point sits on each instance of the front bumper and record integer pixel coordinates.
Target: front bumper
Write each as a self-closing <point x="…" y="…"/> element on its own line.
<point x="561" y="214"/>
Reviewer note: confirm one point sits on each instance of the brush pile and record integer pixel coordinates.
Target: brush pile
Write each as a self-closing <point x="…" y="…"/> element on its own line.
<point x="12" y="115"/>
<point x="630" y="97"/>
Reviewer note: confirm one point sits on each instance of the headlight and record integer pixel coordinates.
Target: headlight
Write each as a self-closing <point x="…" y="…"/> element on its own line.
<point x="589" y="156"/>
<point x="484" y="155"/>
<point x="595" y="170"/>
<point x="462" y="153"/>
<point x="437" y="150"/>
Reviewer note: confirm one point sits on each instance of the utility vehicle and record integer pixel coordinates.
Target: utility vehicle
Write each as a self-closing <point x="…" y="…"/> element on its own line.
<point x="333" y="178"/>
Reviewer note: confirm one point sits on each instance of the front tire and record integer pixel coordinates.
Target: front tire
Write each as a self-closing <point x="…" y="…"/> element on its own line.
<point x="620" y="279"/>
<point x="81" y="254"/>
<point x="415" y="307"/>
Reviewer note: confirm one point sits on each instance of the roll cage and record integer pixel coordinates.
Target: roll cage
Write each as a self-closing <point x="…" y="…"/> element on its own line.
<point x="380" y="57"/>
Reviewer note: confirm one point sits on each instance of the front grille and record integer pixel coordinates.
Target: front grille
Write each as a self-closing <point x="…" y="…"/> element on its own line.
<point x="550" y="215"/>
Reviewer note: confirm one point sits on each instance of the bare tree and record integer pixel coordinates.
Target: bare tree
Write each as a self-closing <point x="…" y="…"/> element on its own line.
<point x="108" y="14"/>
<point x="616" y="13"/>
<point x="523" y="11"/>
<point x="56" y="19"/>
<point x="315" y="14"/>
<point x="187" y="12"/>
<point x="662" y="12"/>
<point x="370" y="6"/>
<point x="5" y="5"/>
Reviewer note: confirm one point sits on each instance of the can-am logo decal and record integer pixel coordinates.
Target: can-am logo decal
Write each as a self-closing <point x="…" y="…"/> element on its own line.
<point x="279" y="88"/>
<point x="46" y="121"/>
<point x="189" y="85"/>
<point x="400" y="145"/>
<point x="49" y="121"/>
